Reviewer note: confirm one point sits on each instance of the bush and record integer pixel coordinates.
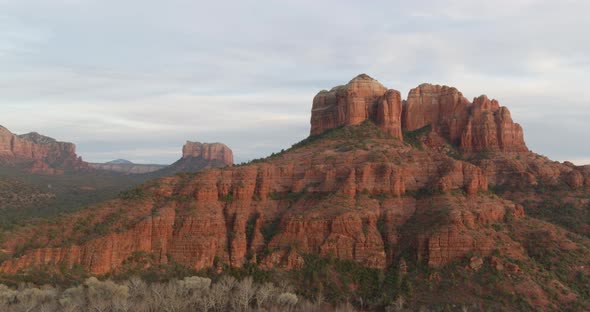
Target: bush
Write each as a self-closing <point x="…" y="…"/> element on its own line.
<point x="193" y="293"/>
<point x="133" y="194"/>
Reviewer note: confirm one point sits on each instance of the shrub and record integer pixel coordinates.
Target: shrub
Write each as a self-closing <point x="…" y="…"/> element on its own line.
<point x="133" y="194"/>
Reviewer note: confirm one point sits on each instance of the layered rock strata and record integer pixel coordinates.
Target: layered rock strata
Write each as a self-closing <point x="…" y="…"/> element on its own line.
<point x="38" y="153"/>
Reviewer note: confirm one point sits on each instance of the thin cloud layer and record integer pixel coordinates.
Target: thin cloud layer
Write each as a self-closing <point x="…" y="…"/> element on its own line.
<point x="135" y="79"/>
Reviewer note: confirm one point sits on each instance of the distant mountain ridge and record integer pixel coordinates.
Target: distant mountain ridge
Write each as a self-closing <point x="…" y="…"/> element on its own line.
<point x="127" y="167"/>
<point x="120" y="162"/>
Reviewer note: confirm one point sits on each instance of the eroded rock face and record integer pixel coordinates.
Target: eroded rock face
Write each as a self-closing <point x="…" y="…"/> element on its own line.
<point x="481" y="126"/>
<point x="575" y="179"/>
<point x="357" y="195"/>
<point x="208" y="151"/>
<point x="363" y="98"/>
<point x="490" y="128"/>
<point x="350" y="204"/>
<point x="40" y="154"/>
<point x="444" y="108"/>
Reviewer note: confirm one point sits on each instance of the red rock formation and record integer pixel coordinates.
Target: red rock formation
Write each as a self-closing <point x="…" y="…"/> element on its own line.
<point x="40" y="154"/>
<point x="208" y="151"/>
<point x="490" y="128"/>
<point x="479" y="127"/>
<point x="198" y="157"/>
<point x="444" y="108"/>
<point x="355" y="195"/>
<point x="363" y="98"/>
<point x="483" y="126"/>
<point x="320" y="196"/>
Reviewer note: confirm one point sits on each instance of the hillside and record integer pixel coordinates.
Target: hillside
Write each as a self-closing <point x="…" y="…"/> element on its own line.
<point x="42" y="178"/>
<point x="435" y="198"/>
<point x="25" y="196"/>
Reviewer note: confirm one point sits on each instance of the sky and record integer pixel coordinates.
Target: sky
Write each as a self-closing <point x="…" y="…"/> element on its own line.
<point x="135" y="79"/>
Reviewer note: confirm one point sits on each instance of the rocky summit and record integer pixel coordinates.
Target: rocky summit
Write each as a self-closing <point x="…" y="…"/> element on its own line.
<point x="431" y="182"/>
<point x="481" y="125"/>
<point x="38" y="153"/>
<point x="209" y="151"/>
<point x="363" y="98"/>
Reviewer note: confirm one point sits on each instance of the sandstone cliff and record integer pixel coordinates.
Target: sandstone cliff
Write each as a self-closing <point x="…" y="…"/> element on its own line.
<point x="363" y="98"/>
<point x="209" y="151"/>
<point x="197" y="157"/>
<point x="481" y="126"/>
<point x="324" y="202"/>
<point x="38" y="153"/>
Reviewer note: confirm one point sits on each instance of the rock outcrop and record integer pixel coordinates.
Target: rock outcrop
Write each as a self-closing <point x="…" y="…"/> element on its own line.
<point x="481" y="126"/>
<point x="490" y="128"/>
<point x="443" y="108"/>
<point x="363" y="98"/>
<point x="197" y="157"/>
<point x="208" y="151"/>
<point x="38" y="153"/>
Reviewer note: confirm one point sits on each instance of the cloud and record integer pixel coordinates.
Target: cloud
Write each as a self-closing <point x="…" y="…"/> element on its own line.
<point x="133" y="77"/>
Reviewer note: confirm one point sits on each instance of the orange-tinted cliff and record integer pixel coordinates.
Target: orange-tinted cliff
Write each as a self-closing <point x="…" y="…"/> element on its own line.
<point x="473" y="127"/>
<point x="208" y="151"/>
<point x="38" y="153"/>
<point x="197" y="157"/>
<point x="363" y="98"/>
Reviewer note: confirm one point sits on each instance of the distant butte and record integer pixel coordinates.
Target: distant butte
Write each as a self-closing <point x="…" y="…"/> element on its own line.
<point x="38" y="153"/>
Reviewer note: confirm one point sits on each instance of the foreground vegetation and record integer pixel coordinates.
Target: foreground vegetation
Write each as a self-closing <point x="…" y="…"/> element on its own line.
<point x="189" y="294"/>
<point x="322" y="284"/>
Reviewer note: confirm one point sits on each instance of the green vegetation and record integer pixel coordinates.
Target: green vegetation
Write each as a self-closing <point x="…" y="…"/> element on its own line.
<point x="250" y="227"/>
<point x="415" y="137"/>
<point x="227" y="198"/>
<point x="194" y="293"/>
<point x="426" y="191"/>
<point x="552" y="209"/>
<point x="270" y="229"/>
<point x="101" y="228"/>
<point x="360" y="133"/>
<point x="352" y="137"/>
<point x="25" y="197"/>
<point x="343" y="283"/>
<point x="133" y="194"/>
